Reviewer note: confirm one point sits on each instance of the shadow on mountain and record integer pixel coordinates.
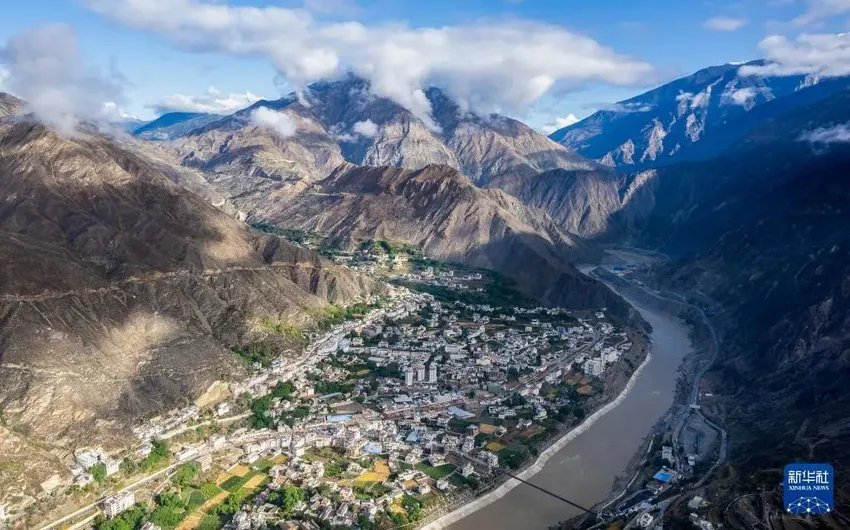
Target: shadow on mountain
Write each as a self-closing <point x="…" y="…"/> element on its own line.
<point x="121" y="293"/>
<point x="763" y="232"/>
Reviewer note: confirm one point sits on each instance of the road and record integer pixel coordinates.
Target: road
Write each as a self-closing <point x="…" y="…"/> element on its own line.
<point x="694" y="399"/>
<point x="315" y="354"/>
<point x="94" y="506"/>
<point x="181" y="430"/>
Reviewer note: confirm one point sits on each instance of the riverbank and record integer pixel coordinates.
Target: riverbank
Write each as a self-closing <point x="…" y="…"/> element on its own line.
<point x="586" y="462"/>
<point x="694" y="366"/>
<point x="542" y="459"/>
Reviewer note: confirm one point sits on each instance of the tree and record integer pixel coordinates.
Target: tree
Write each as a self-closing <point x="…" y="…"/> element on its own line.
<point x="209" y="522"/>
<point x="287" y="497"/>
<point x="98" y="472"/>
<point x="171" y="500"/>
<point x="128" y="466"/>
<point x="132" y="519"/>
<point x="167" y="517"/>
<point x="187" y="473"/>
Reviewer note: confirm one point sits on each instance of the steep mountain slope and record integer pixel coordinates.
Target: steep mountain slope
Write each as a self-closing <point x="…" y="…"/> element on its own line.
<point x="343" y="120"/>
<point x="763" y="231"/>
<point x="121" y="293"/>
<point x="438" y="209"/>
<point x="9" y="105"/>
<point x="494" y="146"/>
<point x="583" y="202"/>
<point x="173" y="125"/>
<point x="659" y="125"/>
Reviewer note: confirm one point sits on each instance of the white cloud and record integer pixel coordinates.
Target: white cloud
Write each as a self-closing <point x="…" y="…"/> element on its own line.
<point x="818" y="10"/>
<point x="487" y="67"/>
<point x="280" y="122"/>
<point x="559" y="123"/>
<point x="111" y="112"/>
<point x="825" y="55"/>
<point x="365" y="128"/>
<point x="623" y="108"/>
<point x="46" y="71"/>
<point x="741" y="96"/>
<point x="4" y="77"/>
<point x="211" y="102"/>
<point x="828" y="135"/>
<point x="725" y="23"/>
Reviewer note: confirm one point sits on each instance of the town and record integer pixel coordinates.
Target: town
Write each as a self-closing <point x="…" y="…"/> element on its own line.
<point x="382" y="418"/>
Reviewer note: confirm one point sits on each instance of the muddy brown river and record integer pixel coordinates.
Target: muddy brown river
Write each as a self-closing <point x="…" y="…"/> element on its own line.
<point x="584" y="470"/>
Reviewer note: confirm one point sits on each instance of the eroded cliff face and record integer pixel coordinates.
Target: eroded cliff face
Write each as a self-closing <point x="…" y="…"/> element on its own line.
<point x="760" y="232"/>
<point x="343" y="120"/>
<point x="121" y="292"/>
<point x="439" y="210"/>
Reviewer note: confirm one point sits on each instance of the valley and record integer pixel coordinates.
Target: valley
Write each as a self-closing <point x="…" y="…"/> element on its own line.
<point x="342" y="308"/>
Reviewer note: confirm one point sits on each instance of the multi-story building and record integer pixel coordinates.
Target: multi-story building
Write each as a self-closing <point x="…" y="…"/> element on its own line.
<point x="118" y="503"/>
<point x="594" y="367"/>
<point x="432" y="373"/>
<point x="89" y="458"/>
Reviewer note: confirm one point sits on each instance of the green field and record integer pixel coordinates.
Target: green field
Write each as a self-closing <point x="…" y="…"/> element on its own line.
<point x="435" y="473"/>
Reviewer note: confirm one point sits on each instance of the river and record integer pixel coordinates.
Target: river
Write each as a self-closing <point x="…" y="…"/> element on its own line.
<point x="584" y="470"/>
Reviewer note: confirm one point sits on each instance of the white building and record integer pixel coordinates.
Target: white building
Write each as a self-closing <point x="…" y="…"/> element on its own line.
<point x="667" y="454"/>
<point x="594" y="367"/>
<point x="222" y="408"/>
<point x="467" y="470"/>
<point x="420" y="373"/>
<point x="432" y="373"/>
<point x="408" y="377"/>
<point x="645" y="520"/>
<point x="118" y="503"/>
<point x="89" y="458"/>
<point x="112" y="466"/>
<point x="205" y="460"/>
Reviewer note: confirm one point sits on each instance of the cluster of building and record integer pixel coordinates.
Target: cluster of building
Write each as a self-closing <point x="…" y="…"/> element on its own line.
<point x="86" y="459"/>
<point x="447" y="278"/>
<point x="430" y="369"/>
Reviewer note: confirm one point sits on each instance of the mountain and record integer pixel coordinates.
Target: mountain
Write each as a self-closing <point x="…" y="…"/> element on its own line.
<point x="582" y="202"/>
<point x="9" y="105"/>
<point x="762" y="231"/>
<point x="669" y="122"/>
<point x="343" y="121"/>
<point x="122" y="293"/>
<point x="493" y="146"/>
<point x="439" y="210"/>
<point x="173" y="125"/>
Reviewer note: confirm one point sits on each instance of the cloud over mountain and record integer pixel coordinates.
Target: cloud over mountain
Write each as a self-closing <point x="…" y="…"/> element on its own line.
<point x="44" y="68"/>
<point x="487" y="66"/>
<point x="559" y="123"/>
<point x="211" y="102"/>
<point x="366" y="128"/>
<point x="280" y="122"/>
<point x="828" y="135"/>
<point x="825" y="55"/>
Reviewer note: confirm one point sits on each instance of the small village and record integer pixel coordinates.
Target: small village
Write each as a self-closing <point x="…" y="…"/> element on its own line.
<point x="380" y="419"/>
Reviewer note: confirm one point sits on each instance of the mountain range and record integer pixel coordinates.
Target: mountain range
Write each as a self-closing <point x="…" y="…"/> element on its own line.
<point x="130" y="271"/>
<point x="692" y="118"/>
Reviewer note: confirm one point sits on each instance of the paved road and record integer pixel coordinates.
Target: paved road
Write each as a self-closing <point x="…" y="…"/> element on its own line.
<point x="705" y="365"/>
<point x="94" y="506"/>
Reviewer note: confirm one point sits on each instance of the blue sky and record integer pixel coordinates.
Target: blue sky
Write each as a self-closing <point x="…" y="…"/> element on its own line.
<point x="671" y="36"/>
